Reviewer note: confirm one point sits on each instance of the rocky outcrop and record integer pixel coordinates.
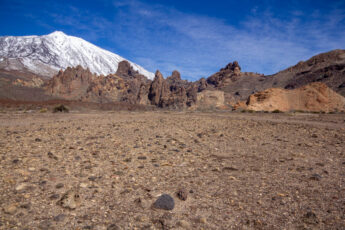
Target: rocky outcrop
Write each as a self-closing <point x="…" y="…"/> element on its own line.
<point x="126" y="85"/>
<point x="35" y="82"/>
<point x="210" y="99"/>
<point x="313" y="97"/>
<point x="80" y="84"/>
<point x="231" y="70"/>
<point x="156" y="89"/>
<point x="328" y="68"/>
<point x="71" y="84"/>
<point x="172" y="92"/>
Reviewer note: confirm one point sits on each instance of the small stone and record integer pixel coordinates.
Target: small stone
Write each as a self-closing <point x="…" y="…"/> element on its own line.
<point x="32" y="169"/>
<point x="45" y="225"/>
<point x="310" y="218"/>
<point x="10" y="209"/>
<point x="21" y="187"/>
<point x="184" y="224"/>
<point x="113" y="227"/>
<point x="52" y="156"/>
<point x="165" y="202"/>
<point x="142" y="157"/>
<point x="316" y="177"/>
<point x="59" y="217"/>
<point x="25" y="206"/>
<point x="92" y="178"/>
<point x="70" y="200"/>
<point x="83" y="185"/>
<point x="202" y="220"/>
<point x="59" y="185"/>
<point x="38" y="140"/>
<point x="182" y="194"/>
<point x="54" y="196"/>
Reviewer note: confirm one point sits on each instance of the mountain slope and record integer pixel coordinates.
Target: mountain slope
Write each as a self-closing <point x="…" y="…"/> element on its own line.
<point x="46" y="55"/>
<point x="328" y="68"/>
<point x="315" y="97"/>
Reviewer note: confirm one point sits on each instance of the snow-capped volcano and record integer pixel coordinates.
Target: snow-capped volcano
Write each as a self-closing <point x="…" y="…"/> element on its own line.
<point x="46" y="55"/>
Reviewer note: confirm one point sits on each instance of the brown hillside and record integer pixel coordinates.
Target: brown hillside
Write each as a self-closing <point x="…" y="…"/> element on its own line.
<point x="312" y="97"/>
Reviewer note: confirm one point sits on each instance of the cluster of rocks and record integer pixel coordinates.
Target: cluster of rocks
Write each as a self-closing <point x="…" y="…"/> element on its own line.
<point x="127" y="85"/>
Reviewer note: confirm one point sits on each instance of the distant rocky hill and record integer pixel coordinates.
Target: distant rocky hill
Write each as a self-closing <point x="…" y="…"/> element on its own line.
<point x="328" y="68"/>
<point x="315" y="97"/>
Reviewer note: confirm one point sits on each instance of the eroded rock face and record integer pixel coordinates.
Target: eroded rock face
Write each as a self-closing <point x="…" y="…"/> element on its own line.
<point x="129" y="86"/>
<point x="35" y="82"/>
<point x="312" y="97"/>
<point x="229" y="71"/>
<point x="208" y="98"/>
<point x="172" y="92"/>
<point x="126" y="85"/>
<point x="156" y="89"/>
<point x="71" y="84"/>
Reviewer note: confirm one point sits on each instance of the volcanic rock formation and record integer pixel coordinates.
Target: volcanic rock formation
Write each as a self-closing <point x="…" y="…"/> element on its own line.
<point x="312" y="97"/>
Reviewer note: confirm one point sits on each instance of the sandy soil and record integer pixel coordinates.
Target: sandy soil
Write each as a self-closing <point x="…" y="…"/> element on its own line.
<point x="104" y="170"/>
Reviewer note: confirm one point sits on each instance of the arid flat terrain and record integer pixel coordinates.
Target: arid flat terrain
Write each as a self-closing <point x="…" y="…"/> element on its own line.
<point x="105" y="170"/>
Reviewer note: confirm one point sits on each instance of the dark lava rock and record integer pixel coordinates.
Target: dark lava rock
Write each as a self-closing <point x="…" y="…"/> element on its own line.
<point x="38" y="140"/>
<point x="59" y="185"/>
<point x="310" y="218"/>
<point x="142" y="157"/>
<point x="113" y="227"/>
<point x="46" y="224"/>
<point x="165" y="202"/>
<point x="316" y="177"/>
<point x="25" y="206"/>
<point x="52" y="156"/>
<point x="182" y="194"/>
<point x="59" y="217"/>
<point x="92" y="178"/>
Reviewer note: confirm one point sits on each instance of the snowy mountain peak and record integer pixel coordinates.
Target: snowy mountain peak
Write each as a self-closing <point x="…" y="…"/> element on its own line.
<point x="57" y="33"/>
<point x="46" y="55"/>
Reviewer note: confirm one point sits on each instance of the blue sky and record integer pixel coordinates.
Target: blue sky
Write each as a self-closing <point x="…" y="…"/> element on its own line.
<point x="196" y="38"/>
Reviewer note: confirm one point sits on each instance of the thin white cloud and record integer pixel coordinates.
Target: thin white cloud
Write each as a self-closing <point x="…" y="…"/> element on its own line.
<point x="199" y="45"/>
<point x="161" y="37"/>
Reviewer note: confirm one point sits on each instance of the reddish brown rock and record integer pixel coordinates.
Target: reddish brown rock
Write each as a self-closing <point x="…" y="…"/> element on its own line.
<point x="312" y="97"/>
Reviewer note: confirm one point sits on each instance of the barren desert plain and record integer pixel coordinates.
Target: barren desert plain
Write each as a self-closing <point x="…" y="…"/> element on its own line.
<point x="223" y="170"/>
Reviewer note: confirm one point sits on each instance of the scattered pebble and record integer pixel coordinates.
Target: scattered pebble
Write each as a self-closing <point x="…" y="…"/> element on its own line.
<point x="21" y="187"/>
<point x="184" y="224"/>
<point x="10" y="209"/>
<point x="182" y="194"/>
<point x="59" y="217"/>
<point x="70" y="200"/>
<point x="165" y="202"/>
<point x="316" y="177"/>
<point x="59" y="185"/>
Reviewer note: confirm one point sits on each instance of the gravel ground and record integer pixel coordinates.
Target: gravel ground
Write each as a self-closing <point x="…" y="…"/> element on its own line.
<point x="109" y="170"/>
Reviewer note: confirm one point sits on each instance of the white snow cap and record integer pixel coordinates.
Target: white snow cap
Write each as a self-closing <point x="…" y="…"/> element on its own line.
<point x="59" y="51"/>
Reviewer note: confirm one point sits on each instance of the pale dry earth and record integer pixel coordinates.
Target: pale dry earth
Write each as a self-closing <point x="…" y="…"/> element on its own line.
<point x="239" y="171"/>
